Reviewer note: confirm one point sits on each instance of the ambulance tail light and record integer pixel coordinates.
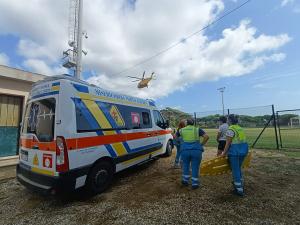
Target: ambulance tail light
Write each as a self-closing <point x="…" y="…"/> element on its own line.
<point x="62" y="161"/>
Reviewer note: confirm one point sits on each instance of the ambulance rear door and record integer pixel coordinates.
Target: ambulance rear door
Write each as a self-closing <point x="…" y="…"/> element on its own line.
<point x="37" y="147"/>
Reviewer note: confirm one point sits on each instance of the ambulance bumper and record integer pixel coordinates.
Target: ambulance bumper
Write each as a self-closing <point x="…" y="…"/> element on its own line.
<point x="45" y="184"/>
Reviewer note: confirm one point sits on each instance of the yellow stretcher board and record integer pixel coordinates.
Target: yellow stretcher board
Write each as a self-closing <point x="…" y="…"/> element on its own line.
<point x="220" y="165"/>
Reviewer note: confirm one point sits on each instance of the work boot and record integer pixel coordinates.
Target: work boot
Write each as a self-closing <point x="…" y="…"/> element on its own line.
<point x="239" y="191"/>
<point x="185" y="183"/>
<point x="194" y="187"/>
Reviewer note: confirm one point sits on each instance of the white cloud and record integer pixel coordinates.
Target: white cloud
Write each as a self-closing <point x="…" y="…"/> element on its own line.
<point x="178" y="107"/>
<point x="4" y="59"/>
<point x="122" y="34"/>
<point x="285" y="2"/>
<point x="30" y="49"/>
<point x="39" y="66"/>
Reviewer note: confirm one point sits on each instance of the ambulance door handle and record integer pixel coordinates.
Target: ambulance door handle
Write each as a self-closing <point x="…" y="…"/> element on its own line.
<point x="35" y="147"/>
<point x="148" y="134"/>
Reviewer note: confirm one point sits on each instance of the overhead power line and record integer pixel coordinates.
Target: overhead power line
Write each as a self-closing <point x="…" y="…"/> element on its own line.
<point x="183" y="39"/>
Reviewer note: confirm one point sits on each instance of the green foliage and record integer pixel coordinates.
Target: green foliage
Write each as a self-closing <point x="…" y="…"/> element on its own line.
<point x="174" y="116"/>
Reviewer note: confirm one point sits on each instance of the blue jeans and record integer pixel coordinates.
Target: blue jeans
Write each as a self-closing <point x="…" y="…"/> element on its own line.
<point x="236" y="156"/>
<point x="192" y="157"/>
<point x="178" y="152"/>
<point x="235" y="164"/>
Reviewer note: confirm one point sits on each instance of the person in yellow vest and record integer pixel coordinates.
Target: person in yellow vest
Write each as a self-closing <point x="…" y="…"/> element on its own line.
<point x="237" y="149"/>
<point x="191" y="152"/>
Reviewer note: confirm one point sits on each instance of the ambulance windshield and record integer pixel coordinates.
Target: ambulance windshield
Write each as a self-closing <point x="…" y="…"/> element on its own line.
<point x="39" y="119"/>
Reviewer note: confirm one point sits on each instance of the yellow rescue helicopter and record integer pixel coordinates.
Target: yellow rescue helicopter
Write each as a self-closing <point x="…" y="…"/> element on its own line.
<point x="143" y="82"/>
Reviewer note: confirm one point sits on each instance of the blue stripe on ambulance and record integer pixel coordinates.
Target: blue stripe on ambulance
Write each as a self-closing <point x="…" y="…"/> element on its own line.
<point x="45" y="94"/>
<point x="112" y="122"/>
<point x="56" y="84"/>
<point x="147" y="147"/>
<point x="92" y="122"/>
<point x="81" y="88"/>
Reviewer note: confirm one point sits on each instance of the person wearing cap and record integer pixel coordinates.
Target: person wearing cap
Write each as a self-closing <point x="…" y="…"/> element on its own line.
<point x="237" y="149"/>
<point x="191" y="152"/>
<point x="221" y="135"/>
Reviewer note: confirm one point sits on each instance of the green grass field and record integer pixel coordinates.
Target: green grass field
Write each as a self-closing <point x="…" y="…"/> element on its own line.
<point x="290" y="138"/>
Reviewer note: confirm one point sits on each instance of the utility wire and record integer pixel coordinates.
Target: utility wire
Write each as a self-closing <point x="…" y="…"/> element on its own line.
<point x="183" y="39"/>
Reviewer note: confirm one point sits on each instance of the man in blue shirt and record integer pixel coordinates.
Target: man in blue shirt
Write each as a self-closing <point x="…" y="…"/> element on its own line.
<point x="192" y="152"/>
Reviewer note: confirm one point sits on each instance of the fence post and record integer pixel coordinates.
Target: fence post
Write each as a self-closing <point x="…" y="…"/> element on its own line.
<point x="275" y="127"/>
<point x="195" y="117"/>
<point x="279" y="132"/>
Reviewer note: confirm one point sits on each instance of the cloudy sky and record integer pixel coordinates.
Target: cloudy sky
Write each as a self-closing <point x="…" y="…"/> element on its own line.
<point x="254" y="52"/>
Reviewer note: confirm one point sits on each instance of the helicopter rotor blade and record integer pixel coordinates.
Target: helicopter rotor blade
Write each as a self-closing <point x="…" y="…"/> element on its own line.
<point x="134" y="77"/>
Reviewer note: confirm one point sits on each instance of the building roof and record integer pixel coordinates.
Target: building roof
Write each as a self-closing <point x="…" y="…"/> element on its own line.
<point x="18" y="74"/>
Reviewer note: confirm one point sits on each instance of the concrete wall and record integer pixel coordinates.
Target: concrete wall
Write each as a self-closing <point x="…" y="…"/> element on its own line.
<point x="17" y="82"/>
<point x="13" y="82"/>
<point x="15" y="87"/>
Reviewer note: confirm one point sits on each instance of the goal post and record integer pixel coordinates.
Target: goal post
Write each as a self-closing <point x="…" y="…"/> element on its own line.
<point x="295" y="122"/>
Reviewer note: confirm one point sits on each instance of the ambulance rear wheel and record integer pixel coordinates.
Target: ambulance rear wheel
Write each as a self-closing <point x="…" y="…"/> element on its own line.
<point x="100" y="177"/>
<point x="168" y="149"/>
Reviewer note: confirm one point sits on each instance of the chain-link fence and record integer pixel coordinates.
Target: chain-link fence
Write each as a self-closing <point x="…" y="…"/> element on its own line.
<point x="258" y="123"/>
<point x="263" y="127"/>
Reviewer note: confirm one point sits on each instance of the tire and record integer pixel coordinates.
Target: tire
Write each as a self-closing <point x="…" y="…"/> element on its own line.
<point x="169" y="149"/>
<point x="100" y="177"/>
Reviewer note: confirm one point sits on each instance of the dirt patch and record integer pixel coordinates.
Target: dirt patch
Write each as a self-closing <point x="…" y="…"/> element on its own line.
<point x="152" y="194"/>
<point x="7" y="172"/>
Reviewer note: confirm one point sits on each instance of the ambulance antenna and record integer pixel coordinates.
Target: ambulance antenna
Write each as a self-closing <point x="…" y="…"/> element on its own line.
<point x="73" y="56"/>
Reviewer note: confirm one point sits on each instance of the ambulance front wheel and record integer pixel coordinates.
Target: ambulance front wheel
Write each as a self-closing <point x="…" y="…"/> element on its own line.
<point x="169" y="148"/>
<point x="100" y="177"/>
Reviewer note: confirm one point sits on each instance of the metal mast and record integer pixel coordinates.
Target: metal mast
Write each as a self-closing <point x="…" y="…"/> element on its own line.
<point x="72" y="57"/>
<point x="79" y="41"/>
<point x="222" y="89"/>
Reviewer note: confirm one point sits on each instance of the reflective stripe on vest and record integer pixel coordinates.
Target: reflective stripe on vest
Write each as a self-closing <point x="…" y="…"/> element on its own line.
<point x="239" y="134"/>
<point x="190" y="134"/>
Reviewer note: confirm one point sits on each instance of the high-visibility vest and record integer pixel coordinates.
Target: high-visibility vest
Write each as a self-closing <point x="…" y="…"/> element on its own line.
<point x="190" y="134"/>
<point x="239" y="134"/>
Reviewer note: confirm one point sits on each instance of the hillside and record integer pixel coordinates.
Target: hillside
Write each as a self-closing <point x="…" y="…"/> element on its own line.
<point x="174" y="116"/>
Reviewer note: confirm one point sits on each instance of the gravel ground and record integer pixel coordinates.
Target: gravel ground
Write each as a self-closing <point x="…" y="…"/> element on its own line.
<point x="152" y="194"/>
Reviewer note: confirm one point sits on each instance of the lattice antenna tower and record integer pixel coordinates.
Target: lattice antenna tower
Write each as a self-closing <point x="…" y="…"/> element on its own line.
<point x="73" y="21"/>
<point x="72" y="57"/>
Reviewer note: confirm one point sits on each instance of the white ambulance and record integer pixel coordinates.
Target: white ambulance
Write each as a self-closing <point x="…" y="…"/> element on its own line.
<point x="75" y="134"/>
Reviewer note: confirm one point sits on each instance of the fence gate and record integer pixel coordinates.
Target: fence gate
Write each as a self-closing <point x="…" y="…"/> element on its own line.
<point x="10" y="117"/>
<point x="288" y="122"/>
